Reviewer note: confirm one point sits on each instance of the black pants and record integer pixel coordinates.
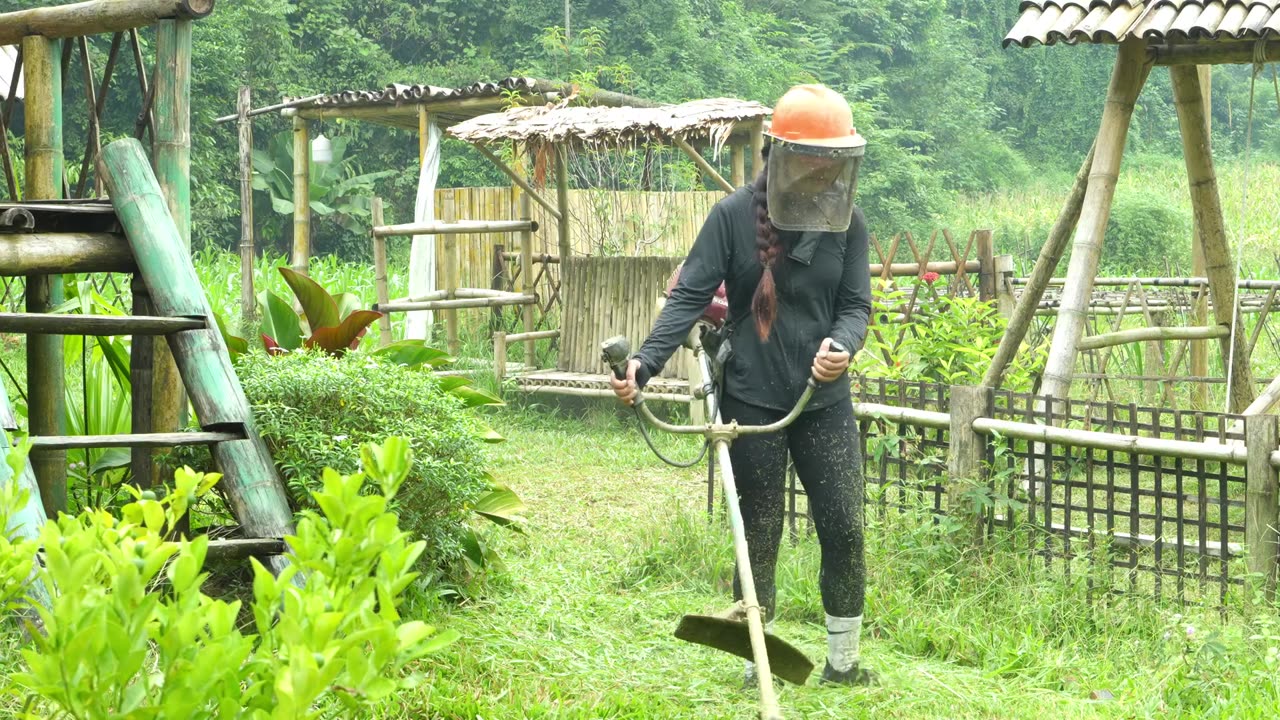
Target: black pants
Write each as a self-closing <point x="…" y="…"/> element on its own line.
<point x="824" y="447"/>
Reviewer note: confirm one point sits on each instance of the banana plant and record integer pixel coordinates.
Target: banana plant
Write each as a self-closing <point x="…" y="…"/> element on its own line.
<point x="339" y="192"/>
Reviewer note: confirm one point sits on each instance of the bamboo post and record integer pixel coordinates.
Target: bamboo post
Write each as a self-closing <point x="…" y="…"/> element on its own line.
<point x="967" y="453"/>
<point x="757" y="150"/>
<point x="172" y="142"/>
<point x="450" y="272"/>
<point x="248" y="304"/>
<point x="562" y="198"/>
<point x="1005" y="300"/>
<point x="46" y="378"/>
<point x="301" y="194"/>
<point x="1126" y="83"/>
<point x="1134" y="335"/>
<point x="1262" y="514"/>
<point x="1154" y="356"/>
<point x="141" y="364"/>
<point x="986" y="266"/>
<point x="1207" y="209"/>
<point x="253" y="488"/>
<point x="1050" y="255"/>
<point x="526" y="261"/>
<point x="499" y="355"/>
<point x="1200" y="314"/>
<point x="702" y="164"/>
<point x="497" y="283"/>
<point x="380" y="273"/>
<point x="738" y="161"/>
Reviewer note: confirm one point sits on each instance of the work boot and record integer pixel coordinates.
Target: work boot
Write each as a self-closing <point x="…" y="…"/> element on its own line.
<point x="855" y="676"/>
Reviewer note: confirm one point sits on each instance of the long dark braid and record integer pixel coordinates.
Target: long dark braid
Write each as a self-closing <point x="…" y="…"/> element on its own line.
<point x="764" y="303"/>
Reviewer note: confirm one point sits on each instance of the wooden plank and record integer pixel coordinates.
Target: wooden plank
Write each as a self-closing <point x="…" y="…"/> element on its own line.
<point x="105" y="325"/>
<point x="243" y="548"/>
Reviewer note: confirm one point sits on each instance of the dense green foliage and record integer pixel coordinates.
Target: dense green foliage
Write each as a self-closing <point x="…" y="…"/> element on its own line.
<point x="315" y="411"/>
<point x="130" y="632"/>
<point x="946" y="110"/>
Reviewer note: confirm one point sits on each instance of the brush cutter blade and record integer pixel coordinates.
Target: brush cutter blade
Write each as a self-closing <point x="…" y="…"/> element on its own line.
<point x="732" y="636"/>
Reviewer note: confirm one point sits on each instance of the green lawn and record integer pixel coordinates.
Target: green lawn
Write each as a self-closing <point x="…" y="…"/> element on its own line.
<point x="619" y="547"/>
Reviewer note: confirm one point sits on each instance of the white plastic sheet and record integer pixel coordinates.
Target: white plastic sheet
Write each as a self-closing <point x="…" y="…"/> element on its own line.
<point x="422" y="255"/>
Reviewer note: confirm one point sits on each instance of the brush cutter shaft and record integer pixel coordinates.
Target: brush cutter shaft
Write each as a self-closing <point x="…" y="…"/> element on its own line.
<point x="769" y="709"/>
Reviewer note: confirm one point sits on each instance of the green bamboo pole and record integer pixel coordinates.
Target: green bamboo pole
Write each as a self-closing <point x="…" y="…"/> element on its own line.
<point x="172" y="155"/>
<point x="301" y="194"/>
<point x="253" y="488"/>
<point x="45" y="370"/>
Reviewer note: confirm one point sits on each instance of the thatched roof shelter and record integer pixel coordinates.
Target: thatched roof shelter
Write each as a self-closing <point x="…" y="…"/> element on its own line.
<point x="400" y="105"/>
<point x="711" y="120"/>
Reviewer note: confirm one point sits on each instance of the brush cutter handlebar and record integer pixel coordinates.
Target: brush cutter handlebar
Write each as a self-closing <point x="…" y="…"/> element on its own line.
<point x="616" y="353"/>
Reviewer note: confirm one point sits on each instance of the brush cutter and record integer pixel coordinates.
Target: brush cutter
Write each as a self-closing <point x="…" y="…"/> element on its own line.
<point x="740" y="630"/>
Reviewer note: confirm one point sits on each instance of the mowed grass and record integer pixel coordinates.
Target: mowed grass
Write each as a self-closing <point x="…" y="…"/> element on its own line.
<point x="619" y="546"/>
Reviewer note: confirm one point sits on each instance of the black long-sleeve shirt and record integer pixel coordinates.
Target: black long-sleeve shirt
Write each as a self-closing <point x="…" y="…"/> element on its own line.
<point x="823" y="288"/>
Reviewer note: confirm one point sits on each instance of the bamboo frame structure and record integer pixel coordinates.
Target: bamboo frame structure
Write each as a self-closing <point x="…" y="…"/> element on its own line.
<point x="1123" y="337"/>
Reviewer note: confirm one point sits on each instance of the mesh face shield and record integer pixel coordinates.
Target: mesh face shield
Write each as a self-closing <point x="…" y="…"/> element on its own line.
<point x="811" y="187"/>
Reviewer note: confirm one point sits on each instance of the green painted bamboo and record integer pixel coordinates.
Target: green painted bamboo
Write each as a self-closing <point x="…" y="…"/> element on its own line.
<point x="45" y="371"/>
<point x="172" y="144"/>
<point x="256" y="495"/>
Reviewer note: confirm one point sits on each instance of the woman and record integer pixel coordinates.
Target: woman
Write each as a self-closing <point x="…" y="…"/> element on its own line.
<point x="791" y="250"/>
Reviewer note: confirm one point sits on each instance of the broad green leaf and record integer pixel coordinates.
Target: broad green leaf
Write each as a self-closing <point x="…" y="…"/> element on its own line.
<point x="110" y="459"/>
<point x="346" y="334"/>
<point x="502" y="506"/>
<point x="414" y="353"/>
<point x="320" y="208"/>
<point x="489" y="435"/>
<point x="474" y="397"/>
<point x="347" y="304"/>
<point x="317" y="303"/>
<point x="282" y="206"/>
<point x="280" y="322"/>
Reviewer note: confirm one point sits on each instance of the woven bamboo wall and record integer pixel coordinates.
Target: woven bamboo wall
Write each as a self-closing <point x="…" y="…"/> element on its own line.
<point x="606" y="296"/>
<point x="601" y="223"/>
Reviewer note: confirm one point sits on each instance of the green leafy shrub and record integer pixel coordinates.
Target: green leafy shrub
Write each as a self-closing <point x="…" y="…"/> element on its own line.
<point x="332" y="645"/>
<point x="1143" y="234"/>
<point x="951" y="340"/>
<point x="315" y="411"/>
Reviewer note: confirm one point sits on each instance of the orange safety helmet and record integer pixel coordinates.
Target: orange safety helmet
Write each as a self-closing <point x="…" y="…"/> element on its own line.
<point x="814" y="156"/>
<point x="814" y="115"/>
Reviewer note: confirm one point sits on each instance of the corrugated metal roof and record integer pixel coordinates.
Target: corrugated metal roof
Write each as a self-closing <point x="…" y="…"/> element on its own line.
<point x="8" y="60"/>
<point x="396" y="93"/>
<point x="1158" y="21"/>
<point x="712" y="119"/>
